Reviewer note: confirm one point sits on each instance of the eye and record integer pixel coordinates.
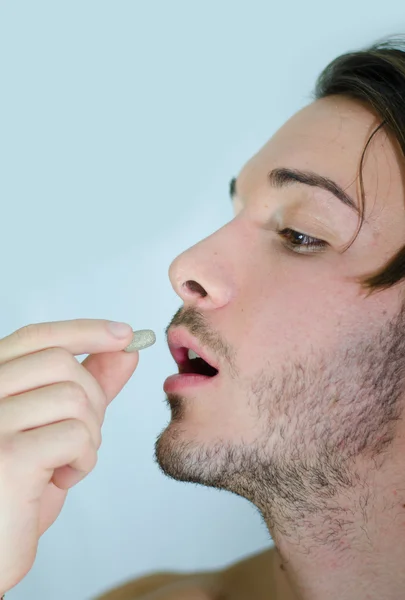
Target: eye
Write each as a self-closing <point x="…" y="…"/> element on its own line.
<point x="300" y="242"/>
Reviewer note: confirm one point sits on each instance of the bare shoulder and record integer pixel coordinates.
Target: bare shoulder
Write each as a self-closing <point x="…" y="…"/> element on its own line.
<point x="168" y="586"/>
<point x="138" y="588"/>
<point x="185" y="589"/>
<point x="249" y="578"/>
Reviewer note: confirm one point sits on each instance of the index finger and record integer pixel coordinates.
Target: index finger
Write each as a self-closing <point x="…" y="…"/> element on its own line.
<point x="78" y="336"/>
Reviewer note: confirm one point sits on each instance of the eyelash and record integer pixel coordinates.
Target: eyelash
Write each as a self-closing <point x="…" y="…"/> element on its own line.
<point x="312" y="245"/>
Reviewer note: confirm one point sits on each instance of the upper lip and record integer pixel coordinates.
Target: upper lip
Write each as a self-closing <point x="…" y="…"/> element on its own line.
<point x="180" y="342"/>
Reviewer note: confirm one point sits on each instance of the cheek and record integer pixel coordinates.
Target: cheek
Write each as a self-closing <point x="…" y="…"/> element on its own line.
<point x="300" y="318"/>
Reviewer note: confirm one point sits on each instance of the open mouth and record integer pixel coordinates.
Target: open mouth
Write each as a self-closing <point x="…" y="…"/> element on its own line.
<point x="194" y="371"/>
<point x="190" y="362"/>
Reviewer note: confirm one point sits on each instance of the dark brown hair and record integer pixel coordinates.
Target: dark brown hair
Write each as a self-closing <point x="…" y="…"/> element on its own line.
<point x="376" y="77"/>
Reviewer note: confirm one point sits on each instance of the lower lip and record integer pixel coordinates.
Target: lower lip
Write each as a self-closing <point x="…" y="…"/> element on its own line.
<point x="176" y="383"/>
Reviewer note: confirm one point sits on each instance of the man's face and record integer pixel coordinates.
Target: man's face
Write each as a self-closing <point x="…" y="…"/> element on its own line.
<point x="310" y="374"/>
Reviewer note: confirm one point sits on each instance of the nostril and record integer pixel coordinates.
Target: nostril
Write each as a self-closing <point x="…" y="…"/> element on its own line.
<point x="193" y="286"/>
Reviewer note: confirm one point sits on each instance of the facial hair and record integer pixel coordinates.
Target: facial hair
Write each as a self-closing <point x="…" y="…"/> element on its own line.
<point x="316" y="417"/>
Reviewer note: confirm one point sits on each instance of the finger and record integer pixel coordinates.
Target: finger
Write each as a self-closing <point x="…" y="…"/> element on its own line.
<point x="50" y="404"/>
<point x="78" y="336"/>
<point x="112" y="370"/>
<point x="35" y="455"/>
<point x="48" y="367"/>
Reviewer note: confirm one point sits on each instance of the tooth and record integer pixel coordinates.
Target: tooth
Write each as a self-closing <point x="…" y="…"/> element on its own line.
<point x="192" y="355"/>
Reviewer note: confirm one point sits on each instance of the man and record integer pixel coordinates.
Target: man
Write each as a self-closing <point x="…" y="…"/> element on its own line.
<point x="298" y="305"/>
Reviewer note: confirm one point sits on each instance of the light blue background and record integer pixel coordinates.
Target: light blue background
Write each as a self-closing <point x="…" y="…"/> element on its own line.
<point x="121" y="124"/>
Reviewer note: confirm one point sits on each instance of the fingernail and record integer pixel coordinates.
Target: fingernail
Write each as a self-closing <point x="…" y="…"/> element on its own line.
<point x="143" y="338"/>
<point x="119" y="330"/>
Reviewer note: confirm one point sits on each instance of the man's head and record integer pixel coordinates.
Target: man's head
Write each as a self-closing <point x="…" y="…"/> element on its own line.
<point x="311" y="383"/>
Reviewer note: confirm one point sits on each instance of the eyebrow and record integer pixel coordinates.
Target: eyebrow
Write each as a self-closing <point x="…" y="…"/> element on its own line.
<point x="282" y="177"/>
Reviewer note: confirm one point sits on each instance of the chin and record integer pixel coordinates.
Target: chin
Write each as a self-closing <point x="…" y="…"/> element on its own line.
<point x="212" y="462"/>
<point x="176" y="450"/>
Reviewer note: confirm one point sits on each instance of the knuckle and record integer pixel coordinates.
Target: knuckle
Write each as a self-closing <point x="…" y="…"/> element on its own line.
<point x="81" y="408"/>
<point x="76" y="395"/>
<point x="81" y="433"/>
<point x="99" y="438"/>
<point x="28" y="332"/>
<point x="74" y="391"/>
<point x="96" y="435"/>
<point x="93" y="462"/>
<point x="62" y="361"/>
<point x="86" y="436"/>
<point x="35" y="331"/>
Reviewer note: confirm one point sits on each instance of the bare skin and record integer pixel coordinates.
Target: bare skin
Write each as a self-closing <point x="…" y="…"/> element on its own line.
<point x="306" y="417"/>
<point x="258" y="577"/>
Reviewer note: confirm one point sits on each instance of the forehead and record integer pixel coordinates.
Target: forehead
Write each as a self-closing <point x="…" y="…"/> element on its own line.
<point x="328" y="136"/>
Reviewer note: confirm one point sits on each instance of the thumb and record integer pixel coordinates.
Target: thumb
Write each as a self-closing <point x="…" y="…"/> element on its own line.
<point x="112" y="370"/>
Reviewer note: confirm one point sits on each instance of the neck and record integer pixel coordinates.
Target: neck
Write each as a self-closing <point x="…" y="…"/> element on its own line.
<point x="353" y="549"/>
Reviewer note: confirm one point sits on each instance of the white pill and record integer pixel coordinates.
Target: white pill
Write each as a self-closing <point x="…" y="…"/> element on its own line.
<point x="143" y="338"/>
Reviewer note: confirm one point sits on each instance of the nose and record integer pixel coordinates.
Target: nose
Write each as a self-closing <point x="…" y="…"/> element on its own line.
<point x="203" y="275"/>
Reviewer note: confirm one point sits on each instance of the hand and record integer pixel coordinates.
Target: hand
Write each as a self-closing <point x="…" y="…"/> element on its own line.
<point x="52" y="408"/>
